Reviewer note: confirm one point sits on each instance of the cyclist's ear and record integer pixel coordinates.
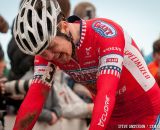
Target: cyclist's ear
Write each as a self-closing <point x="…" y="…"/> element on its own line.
<point x="63" y="25"/>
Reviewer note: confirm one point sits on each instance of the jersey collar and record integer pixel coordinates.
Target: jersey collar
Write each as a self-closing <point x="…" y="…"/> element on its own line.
<point x="74" y="19"/>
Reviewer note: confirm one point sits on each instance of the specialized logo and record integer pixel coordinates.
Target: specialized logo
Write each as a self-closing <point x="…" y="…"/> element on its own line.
<point x="135" y="64"/>
<point x="138" y="63"/>
<point x="104" y="29"/>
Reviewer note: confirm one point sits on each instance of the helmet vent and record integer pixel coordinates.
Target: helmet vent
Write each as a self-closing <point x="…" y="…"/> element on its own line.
<point x="49" y="26"/>
<point x="22" y="27"/>
<point x="32" y="3"/>
<point x="40" y="32"/>
<point x="29" y="17"/>
<point x="38" y="8"/>
<point x="16" y="22"/>
<point x="49" y="10"/>
<point x="55" y="3"/>
<point x="26" y="44"/>
<point x="33" y="40"/>
<point x="43" y="47"/>
<point x="22" y="13"/>
<point x="36" y="24"/>
<point x="18" y="40"/>
<point x="49" y="7"/>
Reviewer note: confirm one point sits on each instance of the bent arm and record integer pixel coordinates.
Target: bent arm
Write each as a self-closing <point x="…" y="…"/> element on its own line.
<point x="104" y="102"/>
<point x="36" y="96"/>
<point x="111" y="50"/>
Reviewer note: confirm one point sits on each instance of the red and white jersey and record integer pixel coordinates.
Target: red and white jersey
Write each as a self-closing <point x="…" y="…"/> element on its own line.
<point x="111" y="66"/>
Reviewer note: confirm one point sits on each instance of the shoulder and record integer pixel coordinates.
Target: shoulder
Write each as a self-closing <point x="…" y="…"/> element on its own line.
<point x="103" y="23"/>
<point x="105" y="27"/>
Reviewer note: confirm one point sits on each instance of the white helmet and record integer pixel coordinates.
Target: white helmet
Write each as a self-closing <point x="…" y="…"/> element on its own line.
<point x="35" y="25"/>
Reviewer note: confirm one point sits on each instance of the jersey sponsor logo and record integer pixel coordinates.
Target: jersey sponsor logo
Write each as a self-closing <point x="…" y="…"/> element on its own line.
<point x="111" y="64"/>
<point x="89" y="62"/>
<point x="88" y="52"/>
<point x="138" y="63"/>
<point x="44" y="73"/>
<point x="104" y="29"/>
<point x="39" y="70"/>
<point x="105" y="112"/>
<point x="112" y="49"/>
<point x="135" y="64"/>
<point x="112" y="60"/>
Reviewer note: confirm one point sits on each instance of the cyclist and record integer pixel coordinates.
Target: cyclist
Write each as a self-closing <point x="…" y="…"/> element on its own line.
<point x="97" y="53"/>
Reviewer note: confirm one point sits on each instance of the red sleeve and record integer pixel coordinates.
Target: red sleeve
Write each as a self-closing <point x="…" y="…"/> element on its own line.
<point x="111" y="46"/>
<point x="36" y="96"/>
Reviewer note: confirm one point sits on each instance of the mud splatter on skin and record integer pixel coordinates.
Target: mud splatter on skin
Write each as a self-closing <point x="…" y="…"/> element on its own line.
<point x="27" y="120"/>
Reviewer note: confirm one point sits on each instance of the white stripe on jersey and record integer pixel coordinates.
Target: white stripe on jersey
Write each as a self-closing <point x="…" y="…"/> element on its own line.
<point x="135" y="64"/>
<point x="118" y="62"/>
